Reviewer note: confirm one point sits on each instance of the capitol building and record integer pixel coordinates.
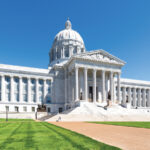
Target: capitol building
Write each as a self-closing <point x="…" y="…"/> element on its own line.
<point x="74" y="75"/>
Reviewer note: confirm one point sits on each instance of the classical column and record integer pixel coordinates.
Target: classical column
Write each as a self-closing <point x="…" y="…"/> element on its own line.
<point x="63" y="52"/>
<point x="94" y="85"/>
<point x="76" y="84"/>
<point x="124" y="96"/>
<point x="29" y="90"/>
<point x="56" y="53"/>
<point x="65" y="87"/>
<point x="139" y="98"/>
<point x="68" y="87"/>
<point x="111" y="86"/>
<point x="144" y="97"/>
<point x="103" y="86"/>
<point x="148" y="98"/>
<point x="118" y="87"/>
<point x="85" y="85"/>
<point x="12" y="88"/>
<point x="134" y="97"/>
<point x="37" y="90"/>
<point x="20" y="90"/>
<point x="44" y="90"/>
<point x="129" y="94"/>
<point x="3" y="88"/>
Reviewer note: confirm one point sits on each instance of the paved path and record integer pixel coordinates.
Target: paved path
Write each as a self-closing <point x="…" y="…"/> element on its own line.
<point x="127" y="138"/>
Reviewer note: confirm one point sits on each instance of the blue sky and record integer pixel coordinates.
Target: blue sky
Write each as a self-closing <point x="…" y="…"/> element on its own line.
<point x="27" y="30"/>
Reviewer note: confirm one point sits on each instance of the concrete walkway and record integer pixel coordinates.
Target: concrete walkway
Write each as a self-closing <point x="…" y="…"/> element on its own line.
<point x="127" y="138"/>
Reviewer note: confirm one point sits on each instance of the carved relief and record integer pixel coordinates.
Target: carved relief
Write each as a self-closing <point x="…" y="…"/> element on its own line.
<point x="100" y="57"/>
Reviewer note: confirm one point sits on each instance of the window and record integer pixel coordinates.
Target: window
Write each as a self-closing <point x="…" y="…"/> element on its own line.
<point x="33" y="98"/>
<point x="24" y="80"/>
<point x="48" y="109"/>
<point x="33" y="88"/>
<point x="7" y="79"/>
<point x="60" y="109"/>
<point x="48" y="99"/>
<point x="48" y="82"/>
<point x="8" y="86"/>
<point x="49" y="90"/>
<point x="25" y="109"/>
<point x="41" y="88"/>
<point x="41" y="82"/>
<point x="40" y="98"/>
<point x="74" y="50"/>
<point x="33" y="109"/>
<point x="33" y="81"/>
<point x="7" y="108"/>
<point x="16" y="109"/>
<point x="7" y="96"/>
<point x="24" y="88"/>
<point x="16" y="87"/>
<point x="16" y="96"/>
<point x="25" y="97"/>
<point x="16" y="80"/>
<point x="66" y="53"/>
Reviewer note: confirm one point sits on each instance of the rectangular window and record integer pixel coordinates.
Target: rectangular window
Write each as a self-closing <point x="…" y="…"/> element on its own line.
<point x="16" y="109"/>
<point x="41" y="88"/>
<point x="25" y="97"/>
<point x="7" y="96"/>
<point x="16" y="97"/>
<point x="33" y="109"/>
<point x="33" y="97"/>
<point x="25" y="109"/>
<point x="48" y="99"/>
<point x="49" y="90"/>
<point x="7" y="108"/>
<point x="40" y="98"/>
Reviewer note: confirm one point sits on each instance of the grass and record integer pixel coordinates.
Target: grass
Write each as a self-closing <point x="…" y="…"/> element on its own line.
<point x="128" y="124"/>
<point x="14" y="120"/>
<point x="30" y="135"/>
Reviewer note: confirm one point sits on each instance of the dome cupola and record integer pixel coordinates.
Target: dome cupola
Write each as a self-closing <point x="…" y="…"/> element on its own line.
<point x="66" y="43"/>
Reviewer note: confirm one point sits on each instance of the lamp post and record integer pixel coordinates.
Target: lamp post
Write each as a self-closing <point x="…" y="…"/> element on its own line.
<point x="6" y="113"/>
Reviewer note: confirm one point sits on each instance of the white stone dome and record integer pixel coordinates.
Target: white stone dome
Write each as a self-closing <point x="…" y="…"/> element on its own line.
<point x="69" y="34"/>
<point x="66" y="43"/>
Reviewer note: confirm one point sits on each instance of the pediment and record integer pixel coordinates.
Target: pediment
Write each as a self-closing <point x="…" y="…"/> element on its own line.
<point x="100" y="56"/>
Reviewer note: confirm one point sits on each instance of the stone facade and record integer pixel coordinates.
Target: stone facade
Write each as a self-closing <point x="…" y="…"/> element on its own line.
<point x="73" y="75"/>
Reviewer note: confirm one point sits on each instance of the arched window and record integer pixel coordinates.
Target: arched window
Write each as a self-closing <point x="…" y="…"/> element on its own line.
<point x="74" y="50"/>
<point x="67" y="52"/>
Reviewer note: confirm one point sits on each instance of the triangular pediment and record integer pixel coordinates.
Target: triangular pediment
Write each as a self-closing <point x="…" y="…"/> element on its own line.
<point x="100" y="56"/>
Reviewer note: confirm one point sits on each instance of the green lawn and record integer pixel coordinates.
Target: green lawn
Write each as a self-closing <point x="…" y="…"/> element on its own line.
<point x="14" y="120"/>
<point x="128" y="124"/>
<point x="27" y="135"/>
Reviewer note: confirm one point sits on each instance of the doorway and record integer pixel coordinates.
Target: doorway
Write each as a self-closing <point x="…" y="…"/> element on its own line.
<point x="60" y="109"/>
<point x="91" y="93"/>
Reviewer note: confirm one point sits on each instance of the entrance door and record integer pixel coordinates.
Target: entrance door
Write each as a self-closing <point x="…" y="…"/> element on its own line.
<point x="60" y="109"/>
<point x="90" y="94"/>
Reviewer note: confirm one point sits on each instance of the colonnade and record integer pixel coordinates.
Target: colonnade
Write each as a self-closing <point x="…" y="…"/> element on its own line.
<point x="21" y="90"/>
<point x="137" y="96"/>
<point x="103" y="75"/>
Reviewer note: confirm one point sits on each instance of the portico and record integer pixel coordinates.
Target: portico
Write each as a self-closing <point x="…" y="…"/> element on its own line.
<point x="97" y="83"/>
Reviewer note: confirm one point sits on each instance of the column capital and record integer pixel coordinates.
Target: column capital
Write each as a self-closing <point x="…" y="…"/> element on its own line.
<point x="2" y="75"/>
<point x="103" y="71"/>
<point x="20" y="77"/>
<point x="85" y="68"/>
<point x="28" y="78"/>
<point x="76" y="67"/>
<point x="94" y="70"/>
<point x="119" y="73"/>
